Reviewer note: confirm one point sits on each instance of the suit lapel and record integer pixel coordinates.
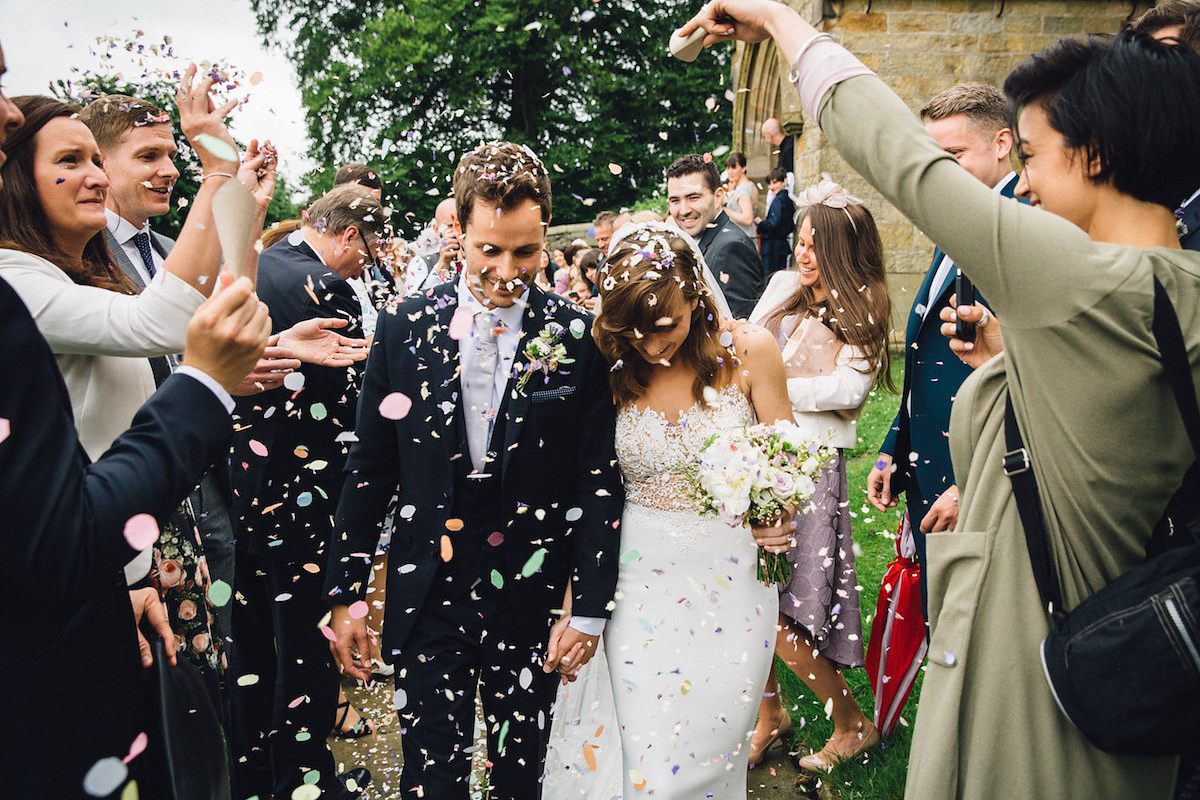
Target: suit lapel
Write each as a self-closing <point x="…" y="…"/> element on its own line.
<point x="123" y="262"/>
<point x="516" y="402"/>
<point x="444" y="370"/>
<point x="163" y="244"/>
<point x="916" y="317"/>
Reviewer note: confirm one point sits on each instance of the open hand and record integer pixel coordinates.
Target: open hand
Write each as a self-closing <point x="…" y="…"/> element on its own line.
<point x="314" y="341"/>
<point x="269" y="371"/>
<point x="199" y="113"/>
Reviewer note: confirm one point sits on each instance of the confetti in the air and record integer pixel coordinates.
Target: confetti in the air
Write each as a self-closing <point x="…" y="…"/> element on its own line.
<point x="141" y="531"/>
<point x="395" y="406"/>
<point x="105" y="776"/>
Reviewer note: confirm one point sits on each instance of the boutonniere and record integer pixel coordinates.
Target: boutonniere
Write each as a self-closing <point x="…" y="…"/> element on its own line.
<point x="544" y="353"/>
<point x="1180" y="226"/>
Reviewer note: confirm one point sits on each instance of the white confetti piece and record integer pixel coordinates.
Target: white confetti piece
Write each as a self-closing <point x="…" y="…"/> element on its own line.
<point x="293" y="381"/>
<point x="573" y="514"/>
<point x="248" y="679"/>
<point x="525" y="678"/>
<point x="103" y="778"/>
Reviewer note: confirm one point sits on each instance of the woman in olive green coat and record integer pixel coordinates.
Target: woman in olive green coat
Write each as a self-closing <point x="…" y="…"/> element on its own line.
<point x="1075" y="290"/>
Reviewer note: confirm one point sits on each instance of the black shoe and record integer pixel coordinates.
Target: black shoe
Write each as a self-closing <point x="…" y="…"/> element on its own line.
<point x="354" y="781"/>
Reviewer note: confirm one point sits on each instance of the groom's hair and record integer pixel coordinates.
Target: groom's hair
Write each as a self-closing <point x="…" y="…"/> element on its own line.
<point x="112" y="116"/>
<point x="501" y="174"/>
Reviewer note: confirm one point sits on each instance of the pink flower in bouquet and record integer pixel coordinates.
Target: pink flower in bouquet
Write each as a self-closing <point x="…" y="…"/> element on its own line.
<point x="187" y="610"/>
<point x="200" y="642"/>
<point x="170" y="573"/>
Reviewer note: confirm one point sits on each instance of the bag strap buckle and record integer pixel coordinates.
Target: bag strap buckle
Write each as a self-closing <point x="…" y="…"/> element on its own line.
<point x="1016" y="462"/>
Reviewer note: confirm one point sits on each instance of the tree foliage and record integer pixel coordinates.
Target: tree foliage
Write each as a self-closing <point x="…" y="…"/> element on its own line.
<point x="409" y="87"/>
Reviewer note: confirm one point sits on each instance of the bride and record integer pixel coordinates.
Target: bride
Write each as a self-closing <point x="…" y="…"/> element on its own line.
<point x="692" y="632"/>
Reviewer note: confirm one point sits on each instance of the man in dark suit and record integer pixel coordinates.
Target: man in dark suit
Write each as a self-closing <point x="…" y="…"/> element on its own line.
<point x="775" y="230"/>
<point x="510" y="497"/>
<point x="288" y="452"/>
<point x="970" y="122"/>
<point x="64" y="544"/>
<point x="694" y="200"/>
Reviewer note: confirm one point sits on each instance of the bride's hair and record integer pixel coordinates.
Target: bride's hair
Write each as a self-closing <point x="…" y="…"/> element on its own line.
<point x="856" y="307"/>
<point x="649" y="276"/>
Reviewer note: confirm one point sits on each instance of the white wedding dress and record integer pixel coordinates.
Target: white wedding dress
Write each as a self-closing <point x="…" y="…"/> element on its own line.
<point x="668" y="713"/>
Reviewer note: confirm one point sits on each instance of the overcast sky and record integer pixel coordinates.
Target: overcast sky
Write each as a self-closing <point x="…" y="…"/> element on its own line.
<point x="43" y="39"/>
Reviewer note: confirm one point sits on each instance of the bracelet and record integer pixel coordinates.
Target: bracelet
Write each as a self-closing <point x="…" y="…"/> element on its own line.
<point x="793" y="77"/>
<point x="203" y="178"/>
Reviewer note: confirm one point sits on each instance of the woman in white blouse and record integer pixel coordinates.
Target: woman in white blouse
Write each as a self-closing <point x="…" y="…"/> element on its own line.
<point x="830" y="316"/>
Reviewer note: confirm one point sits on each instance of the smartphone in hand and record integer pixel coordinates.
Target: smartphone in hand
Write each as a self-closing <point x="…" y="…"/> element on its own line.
<point x="966" y="297"/>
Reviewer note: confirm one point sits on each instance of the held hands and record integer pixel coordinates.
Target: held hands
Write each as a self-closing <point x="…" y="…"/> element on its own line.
<point x="567" y="650"/>
<point x="778" y="538"/>
<point x="198" y="113"/>
<point x="351" y="652"/>
<point x="228" y="332"/>
<point x="879" y="483"/>
<point x="988" y="340"/>
<point x="146" y="605"/>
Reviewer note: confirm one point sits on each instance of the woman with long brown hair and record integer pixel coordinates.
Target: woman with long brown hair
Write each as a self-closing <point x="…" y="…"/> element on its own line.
<point x="689" y="642"/>
<point x="830" y="316"/>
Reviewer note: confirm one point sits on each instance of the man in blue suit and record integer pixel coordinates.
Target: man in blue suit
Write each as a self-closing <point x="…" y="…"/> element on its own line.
<point x="970" y="122"/>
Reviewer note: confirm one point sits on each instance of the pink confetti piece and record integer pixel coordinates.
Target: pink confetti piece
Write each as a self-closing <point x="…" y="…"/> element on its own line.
<point x="496" y="539"/>
<point x="615" y="169"/>
<point x="137" y="747"/>
<point x="328" y="633"/>
<point x="141" y="531"/>
<point x="5" y="429"/>
<point x="358" y="609"/>
<point x="461" y="323"/>
<point x="395" y="406"/>
<point x="301" y="699"/>
<point x="256" y="79"/>
<point x="258" y="448"/>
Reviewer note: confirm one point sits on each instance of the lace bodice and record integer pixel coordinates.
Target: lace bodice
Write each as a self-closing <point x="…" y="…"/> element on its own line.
<point x="651" y="449"/>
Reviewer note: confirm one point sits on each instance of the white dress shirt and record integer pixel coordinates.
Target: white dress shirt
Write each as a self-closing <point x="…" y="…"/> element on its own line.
<point x="124" y="231"/>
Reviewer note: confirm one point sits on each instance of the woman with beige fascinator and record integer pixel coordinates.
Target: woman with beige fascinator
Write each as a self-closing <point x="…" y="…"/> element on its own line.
<point x="830" y="316"/>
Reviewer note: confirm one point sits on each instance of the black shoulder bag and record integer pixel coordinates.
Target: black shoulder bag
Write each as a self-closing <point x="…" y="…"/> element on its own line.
<point x="1124" y="665"/>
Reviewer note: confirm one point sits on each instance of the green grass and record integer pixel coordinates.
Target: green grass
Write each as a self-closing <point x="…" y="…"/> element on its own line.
<point x="879" y="775"/>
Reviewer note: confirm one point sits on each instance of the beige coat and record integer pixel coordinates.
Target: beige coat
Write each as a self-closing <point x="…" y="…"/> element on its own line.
<point x="1107" y="444"/>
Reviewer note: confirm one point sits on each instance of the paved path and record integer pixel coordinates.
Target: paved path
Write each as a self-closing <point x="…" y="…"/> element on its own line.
<point x="775" y="779"/>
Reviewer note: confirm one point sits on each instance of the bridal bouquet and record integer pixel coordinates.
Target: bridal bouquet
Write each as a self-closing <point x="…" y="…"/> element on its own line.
<point x="755" y="475"/>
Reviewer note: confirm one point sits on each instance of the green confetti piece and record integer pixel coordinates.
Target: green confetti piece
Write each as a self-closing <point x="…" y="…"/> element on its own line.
<point x="303" y="736"/>
<point x="312" y="777"/>
<point x="220" y="593"/>
<point x="318" y="411"/>
<point x="534" y="563"/>
<point x="497" y="579"/>
<point x="503" y="736"/>
<point x="221" y="149"/>
<point x="632" y="555"/>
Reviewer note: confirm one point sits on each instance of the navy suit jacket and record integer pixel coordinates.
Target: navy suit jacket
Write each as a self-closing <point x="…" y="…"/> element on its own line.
<point x="932" y="375"/>
<point x="289" y="445"/>
<point x="561" y="495"/>
<point x="70" y="648"/>
<point x="1191" y="223"/>
<point x="774" y="230"/>
<point x="734" y="261"/>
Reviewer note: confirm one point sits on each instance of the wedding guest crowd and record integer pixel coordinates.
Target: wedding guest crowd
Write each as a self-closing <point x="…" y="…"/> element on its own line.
<point x="497" y="503"/>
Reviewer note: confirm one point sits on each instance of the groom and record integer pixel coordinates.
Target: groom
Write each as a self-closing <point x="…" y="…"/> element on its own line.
<point x="509" y="494"/>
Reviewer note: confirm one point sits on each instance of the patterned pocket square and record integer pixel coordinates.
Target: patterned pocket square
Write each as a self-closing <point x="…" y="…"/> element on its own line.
<point x="546" y="395"/>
